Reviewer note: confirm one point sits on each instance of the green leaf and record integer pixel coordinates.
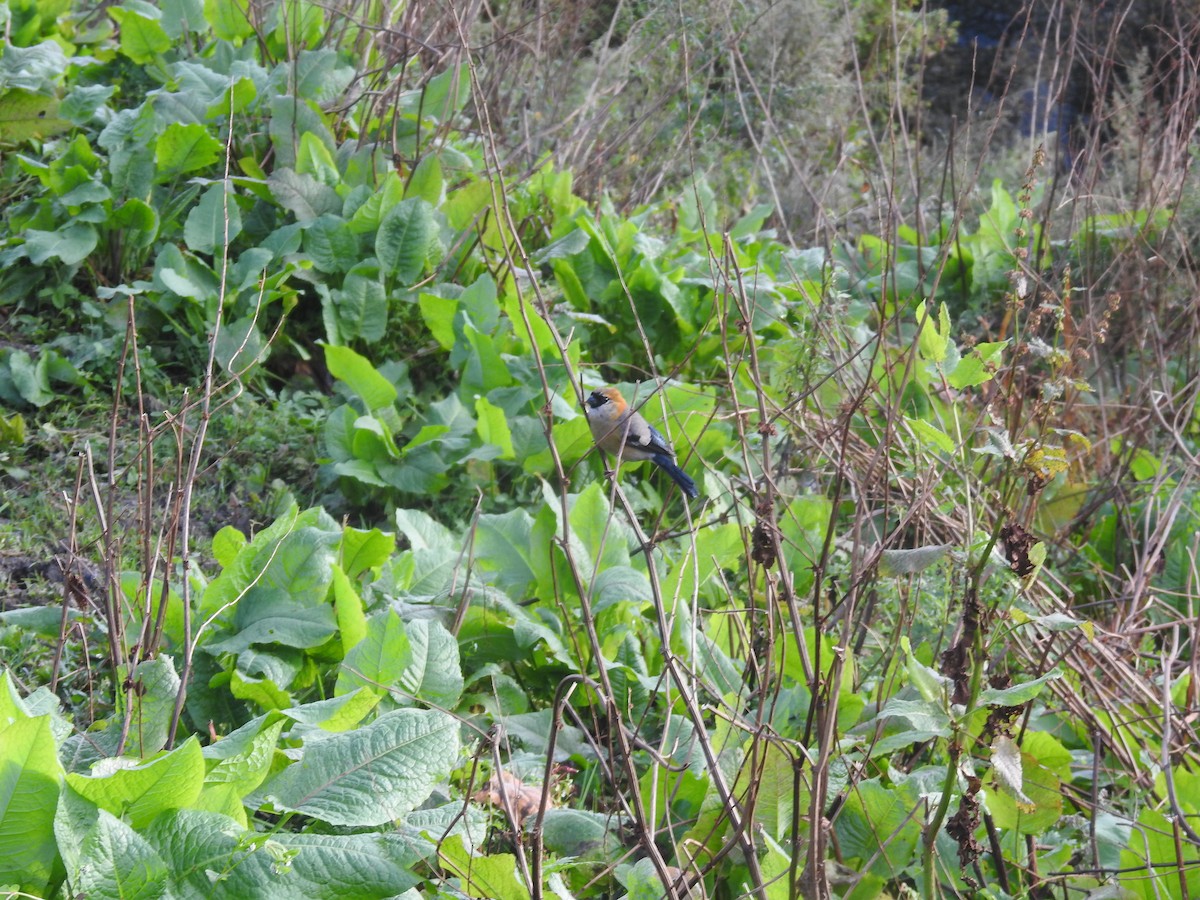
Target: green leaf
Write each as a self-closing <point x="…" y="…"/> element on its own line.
<point x="331" y="245"/>
<point x="214" y="221"/>
<point x="935" y="333"/>
<point x="1037" y="806"/>
<point x="71" y="244"/>
<point x="280" y="864"/>
<point x="235" y="99"/>
<point x="141" y="792"/>
<point x="1018" y="694"/>
<point x="348" y="607"/>
<point x="503" y="547"/>
<point x="371" y="775"/>
<point x="241" y="346"/>
<point x="361" y="308"/>
<point x="379" y="659"/>
<point x="434" y="673"/>
<point x="183" y="148"/>
<point x="303" y="196"/>
<point x="929" y="434"/>
<point x="426" y="182"/>
<point x="877" y="826"/>
<point x="314" y="158"/>
<point x="493" y="876"/>
<point x="438" y="314"/>
<point x="443" y="96"/>
<point x="910" y="562"/>
<point x="360" y="376"/>
<point x="114" y="860"/>
<point x="243" y="758"/>
<point x="156" y="686"/>
<point x="31" y="380"/>
<point x="30" y="776"/>
<point x="930" y="683"/>
<point x="25" y="115"/>
<point x="492" y="427"/>
<point x="404" y="239"/>
<point x="291" y="559"/>
<point x="364" y="550"/>
<point x="142" y="38"/>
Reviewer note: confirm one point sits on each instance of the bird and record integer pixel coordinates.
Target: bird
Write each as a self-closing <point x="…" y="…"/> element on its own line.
<point x="623" y="433"/>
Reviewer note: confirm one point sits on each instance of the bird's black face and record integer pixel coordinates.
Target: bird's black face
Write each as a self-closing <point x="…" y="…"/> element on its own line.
<point x="596" y="400"/>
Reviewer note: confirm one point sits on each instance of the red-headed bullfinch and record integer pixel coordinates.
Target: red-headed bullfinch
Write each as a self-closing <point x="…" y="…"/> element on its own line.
<point x="623" y="433"/>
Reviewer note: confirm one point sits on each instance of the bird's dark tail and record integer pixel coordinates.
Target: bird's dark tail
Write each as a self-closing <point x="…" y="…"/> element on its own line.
<point x="677" y="474"/>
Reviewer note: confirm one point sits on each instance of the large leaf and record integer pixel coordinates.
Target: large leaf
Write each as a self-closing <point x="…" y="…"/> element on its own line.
<point x="183" y="148"/>
<point x="360" y="376"/>
<point x="374" y="774"/>
<point x="30" y="776"/>
<point x="404" y="239"/>
<point x="213" y="222"/>
<point x="140" y="792"/>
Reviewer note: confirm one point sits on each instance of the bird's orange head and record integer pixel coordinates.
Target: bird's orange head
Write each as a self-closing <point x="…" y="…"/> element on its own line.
<point x="611" y="395"/>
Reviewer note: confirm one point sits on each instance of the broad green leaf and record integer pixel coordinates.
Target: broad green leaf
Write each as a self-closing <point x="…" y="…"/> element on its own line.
<point x="363" y="550"/>
<point x="156" y="686"/>
<point x="330" y="243"/>
<point x="930" y="683"/>
<point x="25" y="115"/>
<point x="379" y="659"/>
<point x="569" y="245"/>
<point x="142" y="791"/>
<point x="486" y="369"/>
<point x="226" y="545"/>
<point x="1019" y="693"/>
<point x="241" y="346"/>
<point x="116" y="861"/>
<point x="142" y="38"/>
<point x="930" y="434"/>
<point x="214" y="221"/>
<point x="404" y="239"/>
<point x="423" y="532"/>
<point x="426" y="181"/>
<point x="910" y="562"/>
<point x="289" y="559"/>
<point x="434" y="673"/>
<point x="31" y="380"/>
<point x="314" y="158"/>
<point x="438" y="314"/>
<point x="360" y="376"/>
<point x="503" y="548"/>
<point x="235" y="99"/>
<point x="30" y="777"/>
<point x="935" y="333"/>
<point x="1039" y="805"/>
<point x="321" y="75"/>
<point x="275" y="616"/>
<point x="243" y="758"/>
<point x="880" y="826"/>
<point x="368" y="216"/>
<point x="493" y="876"/>
<point x="280" y="864"/>
<point x="492" y="427"/>
<point x="374" y="774"/>
<point x="71" y="244"/>
<point x="1006" y="763"/>
<point x="348" y="607"/>
<point x="303" y="196"/>
<point x="361" y="307"/>
<point x="443" y="96"/>
<point x="183" y="148"/>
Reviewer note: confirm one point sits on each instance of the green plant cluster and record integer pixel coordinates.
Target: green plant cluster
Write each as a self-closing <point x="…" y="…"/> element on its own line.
<point x="501" y="674"/>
